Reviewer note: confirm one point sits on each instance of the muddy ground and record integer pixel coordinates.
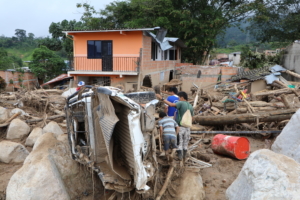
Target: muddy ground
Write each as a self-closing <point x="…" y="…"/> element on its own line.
<point x="224" y="170"/>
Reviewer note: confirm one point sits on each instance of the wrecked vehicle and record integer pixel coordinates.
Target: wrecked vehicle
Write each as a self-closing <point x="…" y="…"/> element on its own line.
<point x="113" y="134"/>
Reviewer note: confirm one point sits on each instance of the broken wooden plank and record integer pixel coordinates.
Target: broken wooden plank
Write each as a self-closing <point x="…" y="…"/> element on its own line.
<point x="48" y="118"/>
<point x="164" y="187"/>
<point x="286" y="102"/>
<point x="274" y="92"/>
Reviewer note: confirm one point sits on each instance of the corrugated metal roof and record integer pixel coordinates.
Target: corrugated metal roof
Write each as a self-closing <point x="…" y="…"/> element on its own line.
<point x="110" y="30"/>
<point x="167" y="42"/>
<point x="58" y="78"/>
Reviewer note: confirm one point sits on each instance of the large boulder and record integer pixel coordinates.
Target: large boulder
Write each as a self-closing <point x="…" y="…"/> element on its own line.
<point x="3" y="114"/>
<point x="266" y="175"/>
<point x="191" y="187"/>
<point x="53" y="127"/>
<point x="50" y="173"/>
<point x="287" y="143"/>
<point x="33" y="136"/>
<point x="17" y="130"/>
<point x="12" y="152"/>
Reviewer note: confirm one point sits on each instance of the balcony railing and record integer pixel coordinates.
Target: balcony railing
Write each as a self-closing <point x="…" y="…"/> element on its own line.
<point x="114" y="64"/>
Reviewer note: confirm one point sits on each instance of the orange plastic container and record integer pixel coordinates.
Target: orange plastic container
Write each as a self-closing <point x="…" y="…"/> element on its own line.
<point x="236" y="147"/>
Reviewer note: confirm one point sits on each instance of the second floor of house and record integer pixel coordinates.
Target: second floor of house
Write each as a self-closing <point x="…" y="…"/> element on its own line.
<point x="123" y="49"/>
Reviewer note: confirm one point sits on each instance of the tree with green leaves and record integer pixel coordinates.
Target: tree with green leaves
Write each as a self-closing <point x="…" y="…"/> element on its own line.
<point x="46" y="64"/>
<point x="276" y="20"/>
<point x="21" y="34"/>
<point x="9" y="61"/>
<point x="59" y="41"/>
<point x="197" y="22"/>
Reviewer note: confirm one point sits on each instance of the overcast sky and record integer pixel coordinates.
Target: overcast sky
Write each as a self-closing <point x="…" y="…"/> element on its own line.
<point x="35" y="16"/>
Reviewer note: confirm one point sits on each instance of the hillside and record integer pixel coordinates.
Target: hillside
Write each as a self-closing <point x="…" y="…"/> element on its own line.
<point x="24" y="53"/>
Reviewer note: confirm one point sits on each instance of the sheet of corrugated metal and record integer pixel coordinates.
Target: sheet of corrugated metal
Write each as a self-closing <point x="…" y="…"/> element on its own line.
<point x="130" y="138"/>
<point x="107" y="120"/>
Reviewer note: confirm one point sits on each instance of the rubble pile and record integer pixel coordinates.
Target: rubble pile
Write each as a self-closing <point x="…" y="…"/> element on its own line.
<point x="34" y="143"/>
<point x="230" y="107"/>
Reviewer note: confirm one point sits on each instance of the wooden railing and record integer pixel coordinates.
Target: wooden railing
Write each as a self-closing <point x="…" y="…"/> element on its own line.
<point x="119" y="64"/>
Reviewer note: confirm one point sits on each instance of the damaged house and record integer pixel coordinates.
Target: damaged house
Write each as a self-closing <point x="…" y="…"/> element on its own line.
<point x="127" y="57"/>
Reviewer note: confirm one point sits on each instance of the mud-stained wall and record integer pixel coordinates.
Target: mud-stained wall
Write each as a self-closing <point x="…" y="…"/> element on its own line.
<point x="18" y="79"/>
<point x="209" y="75"/>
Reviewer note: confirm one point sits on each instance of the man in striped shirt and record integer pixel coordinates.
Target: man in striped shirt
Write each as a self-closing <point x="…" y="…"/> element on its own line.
<point x="168" y="130"/>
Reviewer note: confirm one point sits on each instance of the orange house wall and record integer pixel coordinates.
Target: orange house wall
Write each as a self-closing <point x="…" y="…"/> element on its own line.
<point x="126" y="50"/>
<point x="123" y="45"/>
<point x="127" y="45"/>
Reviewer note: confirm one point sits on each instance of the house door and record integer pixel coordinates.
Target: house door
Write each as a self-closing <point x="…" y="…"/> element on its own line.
<point x="107" y="60"/>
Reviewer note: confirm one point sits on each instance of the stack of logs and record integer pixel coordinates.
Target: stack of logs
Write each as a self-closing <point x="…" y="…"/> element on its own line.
<point x="270" y="109"/>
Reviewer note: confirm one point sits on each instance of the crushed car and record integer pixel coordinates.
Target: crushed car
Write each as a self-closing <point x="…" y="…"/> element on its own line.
<point x="113" y="133"/>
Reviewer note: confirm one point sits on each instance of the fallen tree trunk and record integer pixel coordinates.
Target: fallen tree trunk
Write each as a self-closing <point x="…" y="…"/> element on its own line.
<point x="230" y="106"/>
<point x="257" y="109"/>
<point x="48" y="118"/>
<point x="10" y="97"/>
<point x="277" y="115"/>
<point x="235" y="132"/>
<point x="274" y="92"/>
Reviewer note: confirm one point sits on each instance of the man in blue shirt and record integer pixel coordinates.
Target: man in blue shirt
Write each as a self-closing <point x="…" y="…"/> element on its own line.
<point x="168" y="133"/>
<point x="173" y="98"/>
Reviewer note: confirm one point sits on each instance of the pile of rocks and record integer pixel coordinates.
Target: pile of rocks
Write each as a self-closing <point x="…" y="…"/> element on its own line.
<point x="48" y="170"/>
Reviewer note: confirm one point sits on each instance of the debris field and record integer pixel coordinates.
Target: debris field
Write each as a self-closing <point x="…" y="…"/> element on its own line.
<point x="243" y="107"/>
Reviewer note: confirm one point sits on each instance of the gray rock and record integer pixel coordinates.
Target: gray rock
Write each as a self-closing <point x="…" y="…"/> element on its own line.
<point x="50" y="173"/>
<point x="53" y="127"/>
<point x="16" y="110"/>
<point x="3" y="114"/>
<point x="266" y="175"/>
<point x="287" y="143"/>
<point x="191" y="187"/>
<point x="33" y="136"/>
<point x="12" y="152"/>
<point x="17" y="130"/>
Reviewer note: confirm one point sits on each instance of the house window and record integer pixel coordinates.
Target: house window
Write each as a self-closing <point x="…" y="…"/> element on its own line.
<point x="172" y="55"/>
<point x="166" y="55"/>
<point x="99" y="48"/>
<point x="153" y="51"/>
<point x="94" y="49"/>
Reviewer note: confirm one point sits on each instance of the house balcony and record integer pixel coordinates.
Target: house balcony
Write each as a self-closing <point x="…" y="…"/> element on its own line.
<point x="106" y="65"/>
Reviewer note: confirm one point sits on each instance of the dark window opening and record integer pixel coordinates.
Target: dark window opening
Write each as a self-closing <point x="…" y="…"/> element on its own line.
<point x="102" y="80"/>
<point x="171" y="55"/>
<point x="147" y="81"/>
<point x="94" y="49"/>
<point x="153" y="51"/>
<point x="171" y="75"/>
<point x="166" y="55"/>
<point x="99" y="49"/>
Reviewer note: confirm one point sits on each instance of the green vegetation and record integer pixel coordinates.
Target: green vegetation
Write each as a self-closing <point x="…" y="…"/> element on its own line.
<point x="24" y="53"/>
<point x="197" y="22"/>
<point x="206" y="27"/>
<point x="46" y="64"/>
